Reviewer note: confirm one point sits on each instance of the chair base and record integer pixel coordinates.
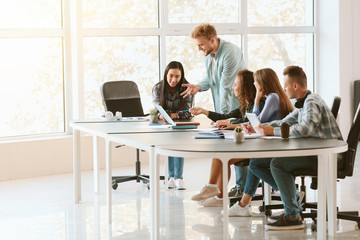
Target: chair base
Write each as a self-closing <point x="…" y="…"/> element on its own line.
<point x="120" y="179"/>
<point x="138" y="177"/>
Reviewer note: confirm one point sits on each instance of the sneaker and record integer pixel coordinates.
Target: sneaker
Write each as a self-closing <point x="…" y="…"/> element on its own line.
<point x="237" y="211"/>
<point x="206" y="192"/>
<point x="275" y="218"/>
<point x="211" y="202"/>
<point x="284" y="223"/>
<point x="171" y="183"/>
<point x="180" y="184"/>
<point x="235" y="193"/>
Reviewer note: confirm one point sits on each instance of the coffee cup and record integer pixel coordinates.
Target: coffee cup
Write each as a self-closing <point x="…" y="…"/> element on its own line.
<point x="285" y="129"/>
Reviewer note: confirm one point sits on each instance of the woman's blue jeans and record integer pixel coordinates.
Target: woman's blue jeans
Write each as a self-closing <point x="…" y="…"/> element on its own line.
<point x="241" y="174"/>
<point x="176" y="166"/>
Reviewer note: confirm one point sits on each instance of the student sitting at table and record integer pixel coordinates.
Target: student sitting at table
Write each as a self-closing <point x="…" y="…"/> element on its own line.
<point x="245" y="91"/>
<point x="314" y="119"/>
<point x="166" y="93"/>
<point x="277" y="105"/>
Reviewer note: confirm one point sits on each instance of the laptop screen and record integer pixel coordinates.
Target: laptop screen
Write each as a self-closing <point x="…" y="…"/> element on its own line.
<point x="165" y="115"/>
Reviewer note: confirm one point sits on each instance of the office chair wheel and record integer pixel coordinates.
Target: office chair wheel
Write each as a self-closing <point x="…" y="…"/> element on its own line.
<point x="114" y="185"/>
<point x="148" y="186"/>
<point x="313" y="227"/>
<point x="268" y="212"/>
<point x="261" y="208"/>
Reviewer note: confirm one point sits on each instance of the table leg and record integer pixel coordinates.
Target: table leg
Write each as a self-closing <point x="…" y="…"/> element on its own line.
<point x="77" y="166"/>
<point x="166" y="173"/>
<point x="267" y="194"/>
<point x="96" y="163"/>
<point x="225" y="200"/>
<point x="331" y="195"/>
<point x="322" y="188"/>
<point x="108" y="159"/>
<point x="154" y="194"/>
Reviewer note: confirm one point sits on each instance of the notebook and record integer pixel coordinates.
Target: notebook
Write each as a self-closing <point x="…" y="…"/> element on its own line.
<point x="171" y="122"/>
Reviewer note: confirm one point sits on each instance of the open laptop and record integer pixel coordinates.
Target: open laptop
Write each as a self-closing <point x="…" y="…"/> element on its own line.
<point x="170" y="121"/>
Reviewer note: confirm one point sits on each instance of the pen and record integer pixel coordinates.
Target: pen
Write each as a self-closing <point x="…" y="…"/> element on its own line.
<point x="184" y="111"/>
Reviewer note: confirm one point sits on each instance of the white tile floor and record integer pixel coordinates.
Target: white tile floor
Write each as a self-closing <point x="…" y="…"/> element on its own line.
<point x="42" y="208"/>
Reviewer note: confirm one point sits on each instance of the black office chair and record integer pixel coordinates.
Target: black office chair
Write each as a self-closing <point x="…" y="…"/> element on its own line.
<point x="345" y="169"/>
<point x="124" y="96"/>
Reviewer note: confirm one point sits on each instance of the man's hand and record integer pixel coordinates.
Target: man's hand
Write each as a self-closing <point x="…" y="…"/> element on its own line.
<point x="192" y="89"/>
<point x="266" y="130"/>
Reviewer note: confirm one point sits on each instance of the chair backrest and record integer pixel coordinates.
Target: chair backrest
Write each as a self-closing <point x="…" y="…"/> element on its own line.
<point x="122" y="96"/>
<point x="335" y="107"/>
<point x="348" y="158"/>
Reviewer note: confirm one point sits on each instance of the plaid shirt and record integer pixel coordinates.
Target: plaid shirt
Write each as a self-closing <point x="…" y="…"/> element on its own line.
<point x="315" y="119"/>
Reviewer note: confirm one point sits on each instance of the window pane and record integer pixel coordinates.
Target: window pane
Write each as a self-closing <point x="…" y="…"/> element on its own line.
<point x="280" y="13"/>
<point x="280" y="50"/>
<point x="32" y="77"/>
<point x="115" y="59"/>
<point x="195" y="11"/>
<point x="120" y="14"/>
<point x="30" y="14"/>
<point x="192" y="59"/>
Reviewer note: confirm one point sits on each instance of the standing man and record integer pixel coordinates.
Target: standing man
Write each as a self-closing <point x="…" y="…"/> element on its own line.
<point x="223" y="61"/>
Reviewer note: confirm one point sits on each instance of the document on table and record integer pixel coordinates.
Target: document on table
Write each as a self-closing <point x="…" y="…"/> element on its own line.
<point x="206" y="129"/>
<point x="155" y="125"/>
<point x="229" y="134"/>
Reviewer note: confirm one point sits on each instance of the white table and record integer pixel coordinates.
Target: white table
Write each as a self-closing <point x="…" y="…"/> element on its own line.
<point x="183" y="144"/>
<point x="101" y="129"/>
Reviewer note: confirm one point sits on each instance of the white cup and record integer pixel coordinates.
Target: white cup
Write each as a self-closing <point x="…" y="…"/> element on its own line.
<point x="118" y="115"/>
<point x="108" y="115"/>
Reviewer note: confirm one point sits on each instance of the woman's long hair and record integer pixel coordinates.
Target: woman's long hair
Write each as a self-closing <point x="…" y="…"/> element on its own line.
<point x="269" y="82"/>
<point x="247" y="89"/>
<point x="178" y="87"/>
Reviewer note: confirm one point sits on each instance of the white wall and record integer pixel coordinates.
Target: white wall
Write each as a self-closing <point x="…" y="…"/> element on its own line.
<point x="356" y="39"/>
<point x="339" y="54"/>
<point x="33" y="158"/>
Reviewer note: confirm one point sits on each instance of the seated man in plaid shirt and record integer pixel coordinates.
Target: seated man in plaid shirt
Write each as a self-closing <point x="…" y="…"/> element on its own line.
<point x="314" y="119"/>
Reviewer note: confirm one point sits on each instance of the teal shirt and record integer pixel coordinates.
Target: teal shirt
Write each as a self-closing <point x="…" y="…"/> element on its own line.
<point x="228" y="62"/>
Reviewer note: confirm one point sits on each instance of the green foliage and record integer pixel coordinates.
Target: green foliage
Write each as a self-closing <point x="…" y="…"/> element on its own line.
<point x="238" y="129"/>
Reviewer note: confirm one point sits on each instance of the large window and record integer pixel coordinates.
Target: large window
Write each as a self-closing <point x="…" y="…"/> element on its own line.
<point x="130" y="40"/>
<point x="190" y="11"/>
<point x="116" y="59"/>
<point x="31" y="68"/>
